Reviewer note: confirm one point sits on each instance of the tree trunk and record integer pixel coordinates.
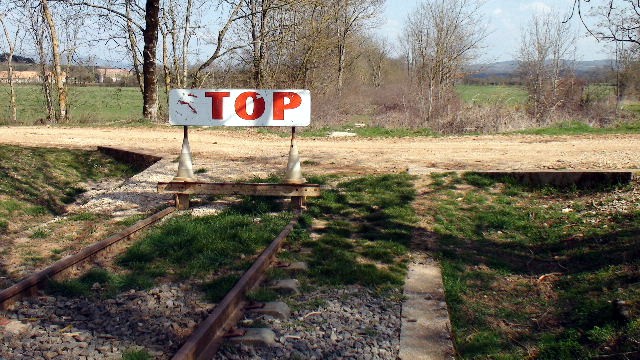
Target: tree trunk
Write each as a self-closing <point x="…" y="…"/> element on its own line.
<point x="55" y="49"/>
<point x="341" y="61"/>
<point x="185" y="43"/>
<point x="12" y="90"/>
<point x="150" y="96"/>
<point x="46" y="85"/>
<point x="256" y="44"/>
<point x="165" y="67"/>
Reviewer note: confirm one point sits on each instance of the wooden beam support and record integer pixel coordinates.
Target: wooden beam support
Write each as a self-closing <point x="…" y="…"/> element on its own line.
<point x="256" y="189"/>
<point x="182" y="201"/>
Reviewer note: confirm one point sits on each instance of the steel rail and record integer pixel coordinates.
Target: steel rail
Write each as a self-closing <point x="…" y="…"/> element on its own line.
<point x="30" y="284"/>
<point x="206" y="339"/>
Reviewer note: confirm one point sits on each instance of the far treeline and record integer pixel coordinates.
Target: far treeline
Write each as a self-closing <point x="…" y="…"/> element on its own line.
<point x="327" y="46"/>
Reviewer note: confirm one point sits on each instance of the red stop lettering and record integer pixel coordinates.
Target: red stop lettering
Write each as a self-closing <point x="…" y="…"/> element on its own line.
<point x="216" y="103"/>
<point x="258" y="105"/>
<point x="279" y="106"/>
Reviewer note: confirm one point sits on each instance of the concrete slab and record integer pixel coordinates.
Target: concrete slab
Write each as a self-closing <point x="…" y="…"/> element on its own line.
<point x="256" y="337"/>
<point x="297" y="267"/>
<point x="275" y="309"/>
<point x="425" y="332"/>
<point x="286" y="286"/>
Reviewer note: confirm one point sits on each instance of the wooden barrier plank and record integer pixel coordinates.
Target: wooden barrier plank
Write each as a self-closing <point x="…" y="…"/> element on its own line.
<point x="256" y="189"/>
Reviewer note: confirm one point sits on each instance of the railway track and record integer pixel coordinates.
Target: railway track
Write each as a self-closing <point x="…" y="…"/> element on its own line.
<point x="45" y="319"/>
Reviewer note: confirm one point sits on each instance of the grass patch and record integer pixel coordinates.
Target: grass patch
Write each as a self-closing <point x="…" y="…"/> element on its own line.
<point x="217" y="289"/>
<point x="87" y="105"/>
<point x="33" y="180"/>
<point x="580" y="128"/>
<point x="83" y="217"/>
<point x="492" y="94"/>
<point x="130" y="220"/>
<point x="370" y="223"/>
<point x="189" y="247"/>
<point x="133" y="354"/>
<point x="263" y="295"/>
<point x="537" y="273"/>
<point x="109" y="283"/>
<point x="194" y="246"/>
<point x="4" y="226"/>
<point x="40" y="234"/>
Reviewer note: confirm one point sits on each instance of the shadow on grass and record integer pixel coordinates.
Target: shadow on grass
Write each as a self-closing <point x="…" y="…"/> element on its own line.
<point x="526" y="279"/>
<point x="572" y="255"/>
<point x="370" y="226"/>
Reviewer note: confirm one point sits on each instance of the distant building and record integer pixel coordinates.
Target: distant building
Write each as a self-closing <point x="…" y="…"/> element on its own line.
<point x="111" y="75"/>
<point x="26" y="77"/>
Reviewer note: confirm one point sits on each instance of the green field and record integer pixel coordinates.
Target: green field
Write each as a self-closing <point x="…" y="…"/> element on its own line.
<point x="492" y="94"/>
<point x="88" y="104"/>
<point x="108" y="105"/>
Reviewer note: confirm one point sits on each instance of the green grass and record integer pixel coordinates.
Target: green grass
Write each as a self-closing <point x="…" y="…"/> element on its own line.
<point x="85" y="216"/>
<point x="190" y="246"/>
<point x="38" y="180"/>
<point x="635" y="108"/>
<point x="498" y="240"/>
<point x="492" y="94"/>
<point x="133" y="354"/>
<point x="88" y="104"/>
<point x="370" y="227"/>
<point x="580" y="128"/>
<point x="110" y="283"/>
<point x="217" y="289"/>
<point x="40" y="234"/>
<point x="187" y="247"/>
<point x="262" y="295"/>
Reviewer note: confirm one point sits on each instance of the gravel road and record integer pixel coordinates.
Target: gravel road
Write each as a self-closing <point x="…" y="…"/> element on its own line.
<point x="242" y="152"/>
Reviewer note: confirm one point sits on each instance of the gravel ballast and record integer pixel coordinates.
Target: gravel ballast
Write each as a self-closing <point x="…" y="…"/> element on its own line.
<point x="348" y="323"/>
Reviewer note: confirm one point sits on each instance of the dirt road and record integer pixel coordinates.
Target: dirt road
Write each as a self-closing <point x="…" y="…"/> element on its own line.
<point x="244" y="148"/>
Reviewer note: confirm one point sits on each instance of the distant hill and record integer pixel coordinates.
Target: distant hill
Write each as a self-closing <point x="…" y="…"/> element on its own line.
<point x="509" y="69"/>
<point x="17" y="59"/>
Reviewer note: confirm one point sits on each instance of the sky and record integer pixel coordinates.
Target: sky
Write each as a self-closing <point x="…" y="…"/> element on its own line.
<point x="504" y="20"/>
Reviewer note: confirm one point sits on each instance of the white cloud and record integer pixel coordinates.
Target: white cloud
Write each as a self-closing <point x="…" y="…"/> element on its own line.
<point x="497" y="12"/>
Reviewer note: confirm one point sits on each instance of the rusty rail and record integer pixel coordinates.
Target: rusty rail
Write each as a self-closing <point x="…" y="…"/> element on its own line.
<point x="206" y="339"/>
<point x="29" y="285"/>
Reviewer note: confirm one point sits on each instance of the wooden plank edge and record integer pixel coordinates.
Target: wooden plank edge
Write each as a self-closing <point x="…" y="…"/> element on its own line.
<point x="256" y="189"/>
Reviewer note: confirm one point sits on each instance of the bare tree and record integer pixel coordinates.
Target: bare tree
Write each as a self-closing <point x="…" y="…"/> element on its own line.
<point x="133" y="43"/>
<point x="440" y="38"/>
<point x="619" y="19"/>
<point x="258" y="16"/>
<point x="57" y="63"/>
<point x="11" y="44"/>
<point x="219" y="49"/>
<point x="546" y="53"/>
<point x="350" y="17"/>
<point x="377" y="53"/>
<point x="31" y="12"/>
